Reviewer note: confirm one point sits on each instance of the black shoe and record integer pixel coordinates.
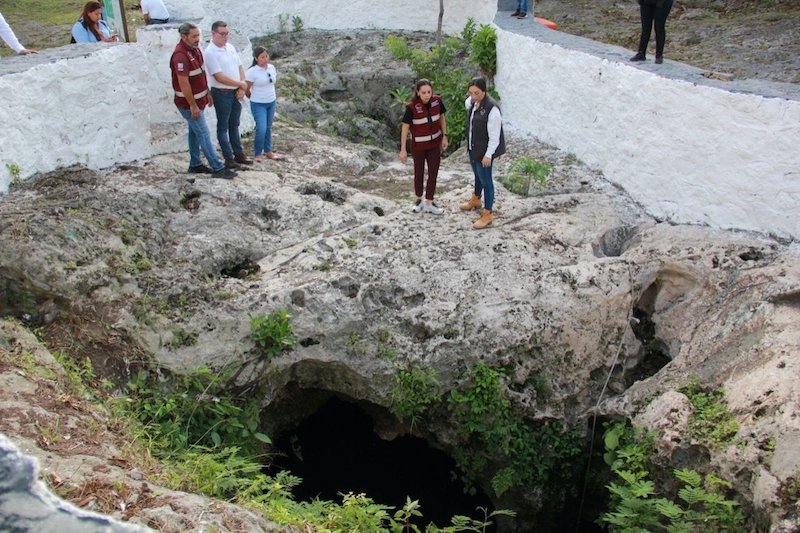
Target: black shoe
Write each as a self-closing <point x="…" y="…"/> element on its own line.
<point x="522" y="16"/>
<point x="200" y="169"/>
<point x="659" y="60"/>
<point x="231" y="163"/>
<point x="515" y="13"/>
<point x="638" y="57"/>
<point x="225" y="174"/>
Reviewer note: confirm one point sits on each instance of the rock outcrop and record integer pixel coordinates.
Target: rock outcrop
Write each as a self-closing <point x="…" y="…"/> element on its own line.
<point x="121" y="260"/>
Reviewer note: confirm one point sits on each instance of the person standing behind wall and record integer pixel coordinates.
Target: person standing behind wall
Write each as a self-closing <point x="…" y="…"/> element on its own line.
<point x="10" y="39"/>
<point x="91" y="28"/>
<point x="653" y="13"/>
<point x="485" y="142"/>
<point x="191" y="96"/>
<point x="154" y="12"/>
<point x="425" y="118"/>
<point x="228" y="88"/>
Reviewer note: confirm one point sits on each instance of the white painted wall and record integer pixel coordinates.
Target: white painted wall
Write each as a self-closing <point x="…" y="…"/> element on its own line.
<point x="688" y="153"/>
<point x="88" y="109"/>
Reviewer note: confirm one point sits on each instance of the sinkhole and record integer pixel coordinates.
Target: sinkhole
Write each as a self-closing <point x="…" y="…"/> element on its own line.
<point x="336" y="450"/>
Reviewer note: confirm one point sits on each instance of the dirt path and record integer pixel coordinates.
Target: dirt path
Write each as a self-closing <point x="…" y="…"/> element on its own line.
<point x="747" y="38"/>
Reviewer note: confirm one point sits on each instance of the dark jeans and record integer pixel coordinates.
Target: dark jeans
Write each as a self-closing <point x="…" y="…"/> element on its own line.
<point x="654" y="15"/>
<point x="229" y="111"/>
<point x="433" y="157"/>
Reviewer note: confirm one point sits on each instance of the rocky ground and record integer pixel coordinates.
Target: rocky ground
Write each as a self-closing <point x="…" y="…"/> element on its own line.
<point x="108" y="265"/>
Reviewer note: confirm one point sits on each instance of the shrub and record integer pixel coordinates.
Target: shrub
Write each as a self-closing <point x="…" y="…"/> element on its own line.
<point x="523" y="173"/>
<point x="711" y="423"/>
<point x="636" y="504"/>
<point x="413" y="393"/>
<point x="272" y="334"/>
<point x="483" y="50"/>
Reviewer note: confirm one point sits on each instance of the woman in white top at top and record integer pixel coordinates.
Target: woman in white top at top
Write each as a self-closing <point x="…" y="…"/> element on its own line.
<point x="260" y="78"/>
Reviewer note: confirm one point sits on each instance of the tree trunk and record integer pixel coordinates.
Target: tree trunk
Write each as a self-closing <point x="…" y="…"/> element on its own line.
<point x="439" y="25"/>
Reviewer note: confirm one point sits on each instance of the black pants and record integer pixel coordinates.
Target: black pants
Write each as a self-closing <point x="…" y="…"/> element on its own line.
<point x="654" y="15"/>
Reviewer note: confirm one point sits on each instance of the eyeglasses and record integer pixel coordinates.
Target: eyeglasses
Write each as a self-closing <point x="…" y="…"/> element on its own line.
<point x="222" y="33"/>
<point x="269" y="75"/>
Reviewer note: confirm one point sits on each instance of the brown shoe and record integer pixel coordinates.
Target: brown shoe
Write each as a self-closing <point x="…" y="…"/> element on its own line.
<point x="231" y="163"/>
<point x="242" y="160"/>
<point x="472" y="203"/>
<point x="485" y="220"/>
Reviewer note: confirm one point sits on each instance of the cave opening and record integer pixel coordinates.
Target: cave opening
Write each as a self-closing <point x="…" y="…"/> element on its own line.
<point x="335" y="450"/>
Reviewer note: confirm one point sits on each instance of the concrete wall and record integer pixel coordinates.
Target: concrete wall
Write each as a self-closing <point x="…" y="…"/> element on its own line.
<point x="687" y="152"/>
<point x="80" y="104"/>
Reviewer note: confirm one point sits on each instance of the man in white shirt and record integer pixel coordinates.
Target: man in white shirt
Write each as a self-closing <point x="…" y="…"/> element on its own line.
<point x="11" y="40"/>
<point x="154" y="12"/>
<point x="228" y="87"/>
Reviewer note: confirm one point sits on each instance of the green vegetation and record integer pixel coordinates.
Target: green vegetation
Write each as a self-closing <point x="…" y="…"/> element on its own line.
<point x="283" y="22"/>
<point x="193" y="411"/>
<point x="541" y="453"/>
<point x="272" y="334"/>
<point x="414" y="391"/>
<point x="483" y="50"/>
<point x="636" y="504"/>
<point x="15" y="172"/>
<point x="297" y="23"/>
<point x="525" y="172"/>
<point x="711" y="423"/>
<point x="447" y="67"/>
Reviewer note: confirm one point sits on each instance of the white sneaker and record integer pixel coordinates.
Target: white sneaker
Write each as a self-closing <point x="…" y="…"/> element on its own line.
<point x="433" y="209"/>
<point x="417" y="207"/>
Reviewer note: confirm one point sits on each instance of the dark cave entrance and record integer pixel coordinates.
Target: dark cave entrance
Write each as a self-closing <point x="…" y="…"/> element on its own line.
<point x="335" y="450"/>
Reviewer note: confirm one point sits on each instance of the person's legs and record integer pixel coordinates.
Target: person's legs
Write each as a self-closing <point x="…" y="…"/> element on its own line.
<point x="419" y="171"/>
<point x="647" y="12"/>
<point x="198" y="129"/>
<point x="488" y="186"/>
<point x="660" y="19"/>
<point x="233" y="126"/>
<point x="260" y="117"/>
<point x="522" y="7"/>
<point x="222" y="107"/>
<point x="434" y="159"/>
<point x="477" y="170"/>
<point x="270" y="120"/>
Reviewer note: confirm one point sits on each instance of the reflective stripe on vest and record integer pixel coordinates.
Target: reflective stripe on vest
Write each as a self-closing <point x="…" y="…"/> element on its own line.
<point x="426" y="120"/>
<point x="426" y="138"/>
<point x="197" y="96"/>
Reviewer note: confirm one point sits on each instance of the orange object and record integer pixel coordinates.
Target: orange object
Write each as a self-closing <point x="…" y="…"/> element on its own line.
<point x="544" y="22"/>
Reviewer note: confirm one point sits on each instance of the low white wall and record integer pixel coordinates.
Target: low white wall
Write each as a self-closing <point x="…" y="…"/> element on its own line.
<point x="262" y="16"/>
<point x="85" y="108"/>
<point x="688" y="153"/>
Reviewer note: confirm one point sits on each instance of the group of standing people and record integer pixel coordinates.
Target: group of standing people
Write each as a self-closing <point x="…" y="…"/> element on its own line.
<point x="424" y="119"/>
<point x="216" y="78"/>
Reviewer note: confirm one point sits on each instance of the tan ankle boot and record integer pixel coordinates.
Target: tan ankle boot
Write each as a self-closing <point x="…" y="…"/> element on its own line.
<point x="473" y="203"/>
<point x="485" y="220"/>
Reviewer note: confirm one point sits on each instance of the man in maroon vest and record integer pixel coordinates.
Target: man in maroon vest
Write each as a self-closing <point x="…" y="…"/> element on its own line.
<point x="191" y="97"/>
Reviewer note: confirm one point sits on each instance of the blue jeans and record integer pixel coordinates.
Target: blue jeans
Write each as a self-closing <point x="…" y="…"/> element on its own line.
<point x="522" y="6"/>
<point x="200" y="139"/>
<point x="264" y="115"/>
<point x="229" y="111"/>
<point x="483" y="183"/>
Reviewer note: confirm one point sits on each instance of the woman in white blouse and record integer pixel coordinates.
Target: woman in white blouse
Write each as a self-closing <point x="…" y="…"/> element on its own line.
<point x="260" y="78"/>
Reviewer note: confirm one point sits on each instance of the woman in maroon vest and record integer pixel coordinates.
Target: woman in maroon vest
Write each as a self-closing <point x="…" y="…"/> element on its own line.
<point x="424" y="118"/>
